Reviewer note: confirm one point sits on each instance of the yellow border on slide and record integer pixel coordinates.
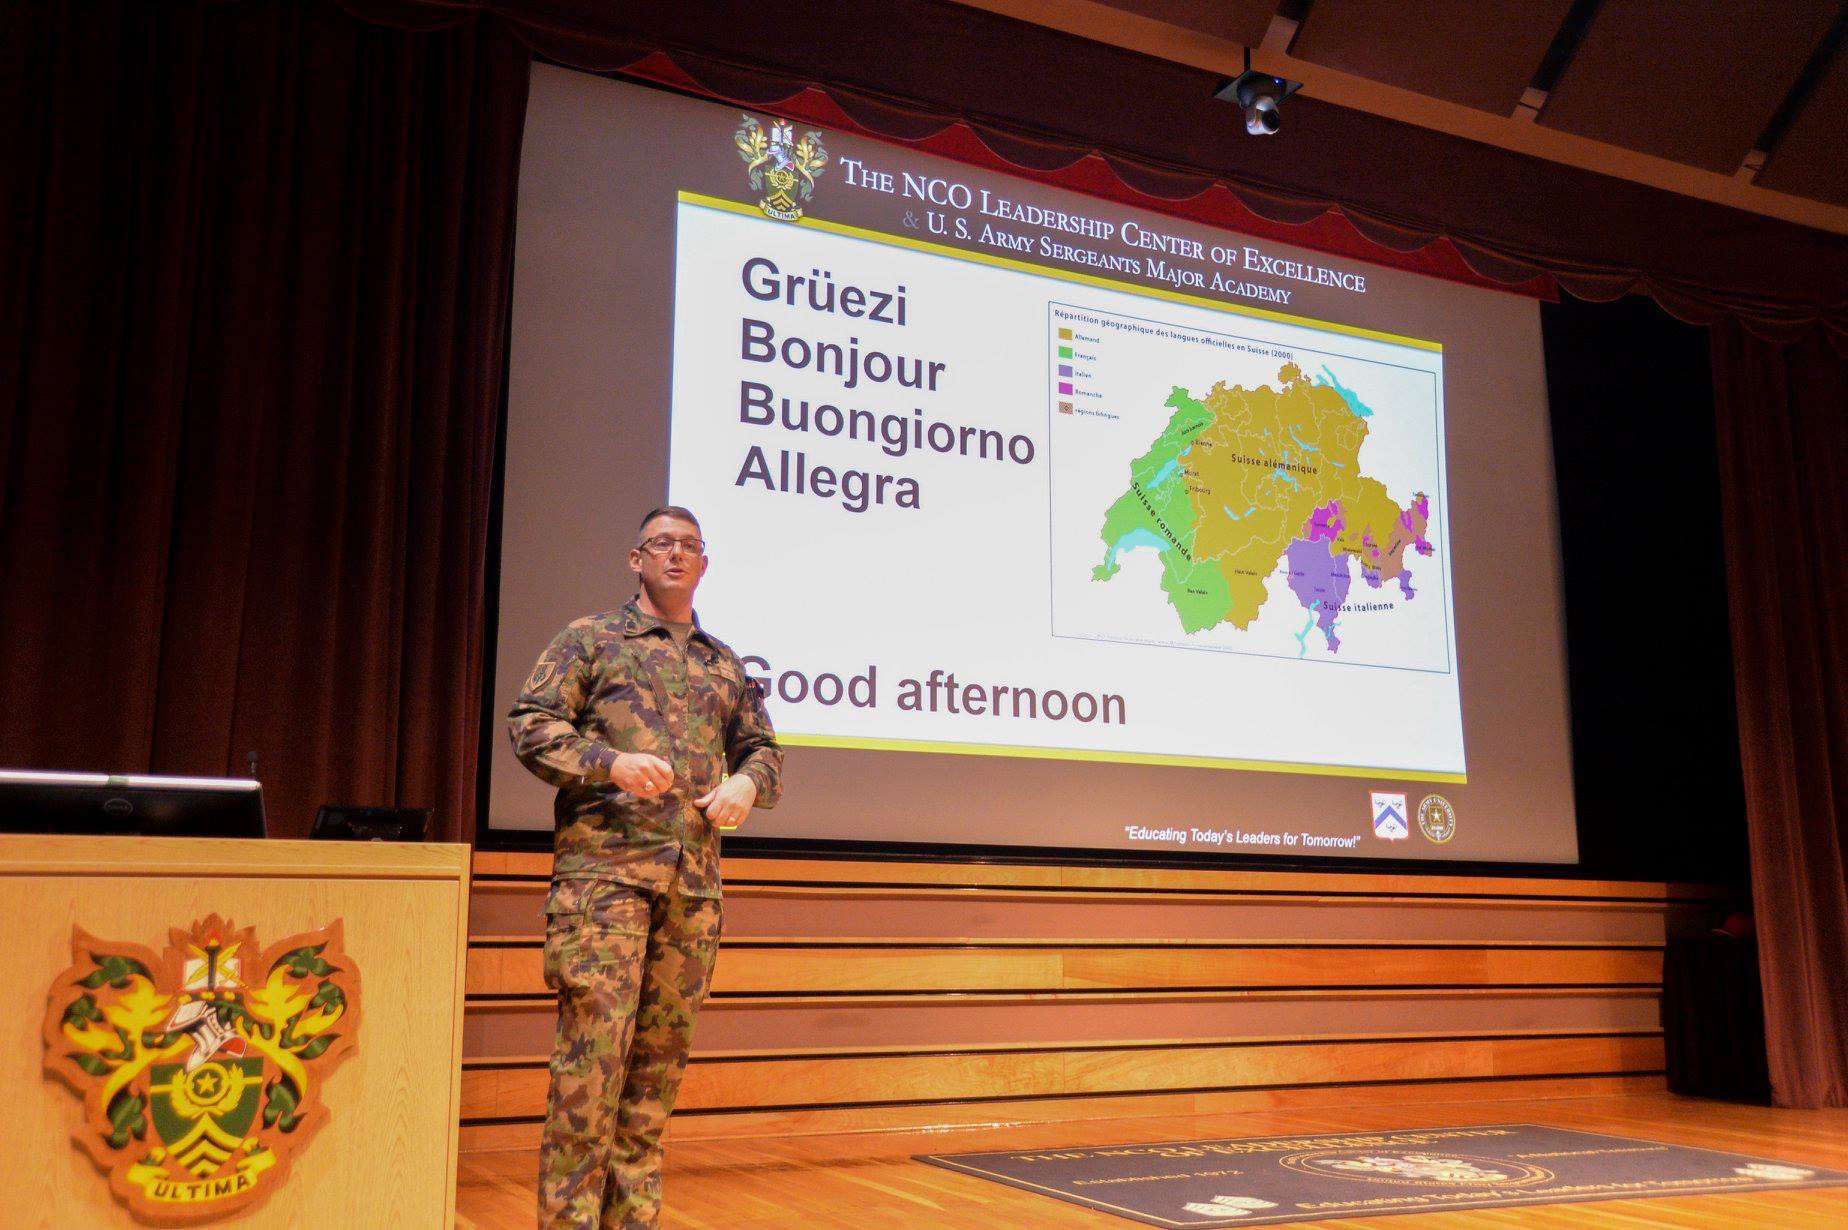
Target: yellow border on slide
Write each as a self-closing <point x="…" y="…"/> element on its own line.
<point x="1064" y="275"/>
<point x="1067" y="753"/>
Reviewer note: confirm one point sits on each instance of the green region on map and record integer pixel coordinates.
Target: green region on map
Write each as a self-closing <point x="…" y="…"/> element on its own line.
<point x="1245" y="480"/>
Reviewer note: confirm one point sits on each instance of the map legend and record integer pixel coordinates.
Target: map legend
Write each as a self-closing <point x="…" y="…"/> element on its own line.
<point x="1065" y="374"/>
<point x="1073" y="366"/>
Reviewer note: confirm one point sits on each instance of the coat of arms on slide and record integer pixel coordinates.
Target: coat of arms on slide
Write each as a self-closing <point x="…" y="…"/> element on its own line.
<point x="199" y="1066"/>
<point x="780" y="166"/>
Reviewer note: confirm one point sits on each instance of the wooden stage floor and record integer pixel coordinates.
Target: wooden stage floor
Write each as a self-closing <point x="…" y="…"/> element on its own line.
<point x="867" y="1180"/>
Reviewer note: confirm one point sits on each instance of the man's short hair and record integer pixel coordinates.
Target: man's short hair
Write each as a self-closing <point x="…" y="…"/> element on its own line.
<point x="669" y="510"/>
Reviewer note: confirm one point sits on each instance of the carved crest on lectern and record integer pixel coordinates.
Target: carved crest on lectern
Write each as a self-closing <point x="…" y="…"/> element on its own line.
<point x="200" y="1066"/>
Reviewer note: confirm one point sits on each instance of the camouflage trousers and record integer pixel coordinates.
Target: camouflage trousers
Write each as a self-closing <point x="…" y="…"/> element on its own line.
<point x="631" y="969"/>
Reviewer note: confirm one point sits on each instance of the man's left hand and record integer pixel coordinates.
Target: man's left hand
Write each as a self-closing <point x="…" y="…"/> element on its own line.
<point x="730" y="802"/>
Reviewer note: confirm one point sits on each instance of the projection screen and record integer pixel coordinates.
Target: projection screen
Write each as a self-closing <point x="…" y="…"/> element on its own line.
<point x="1043" y="521"/>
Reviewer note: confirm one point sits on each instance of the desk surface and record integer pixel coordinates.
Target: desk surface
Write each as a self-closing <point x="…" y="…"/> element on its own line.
<point x="33" y="854"/>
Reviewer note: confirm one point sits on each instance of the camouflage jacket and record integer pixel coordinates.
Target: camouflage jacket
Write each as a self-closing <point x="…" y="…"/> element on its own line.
<point x="618" y="682"/>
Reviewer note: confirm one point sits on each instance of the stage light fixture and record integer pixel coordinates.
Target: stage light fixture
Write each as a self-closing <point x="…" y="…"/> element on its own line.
<point x="1261" y="95"/>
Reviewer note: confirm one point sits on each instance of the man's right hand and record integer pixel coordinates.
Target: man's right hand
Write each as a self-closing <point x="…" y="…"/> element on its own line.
<point x="642" y="775"/>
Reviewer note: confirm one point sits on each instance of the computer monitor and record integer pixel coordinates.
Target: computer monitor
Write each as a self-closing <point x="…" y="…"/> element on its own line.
<point x="148" y="805"/>
<point x="335" y="822"/>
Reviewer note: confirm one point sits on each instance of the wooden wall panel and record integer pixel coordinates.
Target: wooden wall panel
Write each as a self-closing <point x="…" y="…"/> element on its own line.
<point x="514" y="866"/>
<point x="512" y="910"/>
<point x="514" y="970"/>
<point x="688" y="1125"/>
<point x="912" y="994"/>
<point x="789" y="1081"/>
<point x="515" y="1029"/>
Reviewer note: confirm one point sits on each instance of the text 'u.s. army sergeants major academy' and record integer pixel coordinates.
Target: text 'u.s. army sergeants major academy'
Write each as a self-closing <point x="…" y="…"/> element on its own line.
<point x="866" y="372"/>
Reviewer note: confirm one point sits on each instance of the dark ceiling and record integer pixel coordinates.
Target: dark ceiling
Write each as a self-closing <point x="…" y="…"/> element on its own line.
<point x="1751" y="89"/>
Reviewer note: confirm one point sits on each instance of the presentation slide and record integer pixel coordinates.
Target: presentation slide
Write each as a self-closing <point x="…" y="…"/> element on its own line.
<point x="1150" y="507"/>
<point x="1042" y="521"/>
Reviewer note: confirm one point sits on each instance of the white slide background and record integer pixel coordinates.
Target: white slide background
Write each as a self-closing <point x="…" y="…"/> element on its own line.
<point x="966" y="582"/>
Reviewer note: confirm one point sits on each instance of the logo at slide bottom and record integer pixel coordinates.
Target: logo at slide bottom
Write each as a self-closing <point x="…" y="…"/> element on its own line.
<point x="1436" y="818"/>
<point x="1389" y="816"/>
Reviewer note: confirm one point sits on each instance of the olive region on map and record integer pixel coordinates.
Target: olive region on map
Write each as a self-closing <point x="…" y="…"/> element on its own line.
<point x="1257" y="492"/>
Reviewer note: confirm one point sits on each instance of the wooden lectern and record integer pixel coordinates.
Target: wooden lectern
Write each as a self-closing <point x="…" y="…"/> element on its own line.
<point x="233" y="938"/>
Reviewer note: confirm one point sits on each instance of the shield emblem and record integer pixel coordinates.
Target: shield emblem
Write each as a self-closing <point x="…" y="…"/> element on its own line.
<point x="204" y="1114"/>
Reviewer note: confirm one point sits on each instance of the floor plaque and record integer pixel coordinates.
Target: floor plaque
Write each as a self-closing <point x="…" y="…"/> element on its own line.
<point x="1259" y="1180"/>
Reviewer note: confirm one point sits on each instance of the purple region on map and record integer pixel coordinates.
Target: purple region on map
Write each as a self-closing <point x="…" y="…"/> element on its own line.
<point x="1414" y="519"/>
<point x="1325" y="522"/>
<point x="1405" y="583"/>
<point x="1320" y="583"/>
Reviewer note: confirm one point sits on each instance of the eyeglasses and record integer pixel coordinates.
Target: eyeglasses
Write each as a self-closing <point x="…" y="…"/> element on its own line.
<point x="663" y="545"/>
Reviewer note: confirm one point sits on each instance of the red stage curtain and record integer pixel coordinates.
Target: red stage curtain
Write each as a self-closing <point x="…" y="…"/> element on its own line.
<point x="1783" y="440"/>
<point x="257" y="262"/>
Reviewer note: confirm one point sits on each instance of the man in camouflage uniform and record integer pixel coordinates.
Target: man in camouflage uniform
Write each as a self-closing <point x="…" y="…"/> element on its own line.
<point x="637" y="716"/>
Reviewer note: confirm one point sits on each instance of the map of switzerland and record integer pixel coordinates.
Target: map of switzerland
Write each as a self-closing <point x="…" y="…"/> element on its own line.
<point x="1253" y="481"/>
